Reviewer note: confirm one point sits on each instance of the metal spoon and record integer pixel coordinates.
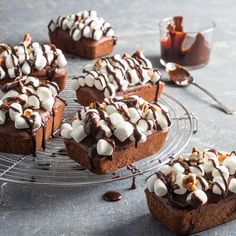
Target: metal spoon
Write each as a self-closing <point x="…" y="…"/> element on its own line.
<point x="182" y="77"/>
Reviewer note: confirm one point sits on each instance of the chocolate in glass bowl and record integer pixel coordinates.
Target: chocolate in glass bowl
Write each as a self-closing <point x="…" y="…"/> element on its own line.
<point x="186" y="41"/>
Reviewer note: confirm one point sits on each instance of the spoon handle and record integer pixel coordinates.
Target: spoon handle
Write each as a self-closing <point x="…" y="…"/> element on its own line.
<point x="224" y="107"/>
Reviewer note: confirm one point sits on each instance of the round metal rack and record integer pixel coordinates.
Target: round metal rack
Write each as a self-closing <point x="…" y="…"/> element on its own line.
<point x="54" y="167"/>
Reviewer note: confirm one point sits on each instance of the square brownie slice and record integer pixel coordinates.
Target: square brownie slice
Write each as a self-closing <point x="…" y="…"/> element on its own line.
<point x="195" y="192"/>
<point x="84" y="34"/>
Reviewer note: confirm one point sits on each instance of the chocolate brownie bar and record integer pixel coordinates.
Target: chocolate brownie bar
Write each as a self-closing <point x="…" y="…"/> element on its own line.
<point x="194" y="192"/>
<point x="119" y="75"/>
<point x="30" y="112"/>
<point x="32" y="59"/>
<point x="110" y="135"/>
<point x="84" y="34"/>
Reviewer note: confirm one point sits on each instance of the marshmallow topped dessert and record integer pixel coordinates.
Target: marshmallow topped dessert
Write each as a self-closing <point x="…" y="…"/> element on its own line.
<point x="119" y="75"/>
<point x="33" y="59"/>
<point x="84" y="34"/>
<point x="110" y="135"/>
<point x="30" y="112"/>
<point x="194" y="192"/>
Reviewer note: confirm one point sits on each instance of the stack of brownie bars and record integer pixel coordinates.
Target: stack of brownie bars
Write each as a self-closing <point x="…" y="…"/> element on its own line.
<point x="121" y="120"/>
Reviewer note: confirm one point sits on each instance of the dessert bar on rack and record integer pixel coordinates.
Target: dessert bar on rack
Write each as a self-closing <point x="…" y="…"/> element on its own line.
<point x="194" y="192"/>
<point x="32" y="59"/>
<point x="84" y="34"/>
<point x="119" y="75"/>
<point x="110" y="135"/>
<point x="30" y="112"/>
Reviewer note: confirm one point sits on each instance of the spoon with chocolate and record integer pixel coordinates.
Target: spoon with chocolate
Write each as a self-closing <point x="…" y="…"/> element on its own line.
<point x="181" y="77"/>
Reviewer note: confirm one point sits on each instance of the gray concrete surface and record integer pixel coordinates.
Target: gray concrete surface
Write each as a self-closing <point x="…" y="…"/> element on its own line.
<point x="40" y="210"/>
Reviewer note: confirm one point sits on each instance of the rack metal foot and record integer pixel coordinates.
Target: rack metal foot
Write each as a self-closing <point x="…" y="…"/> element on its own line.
<point x="3" y="185"/>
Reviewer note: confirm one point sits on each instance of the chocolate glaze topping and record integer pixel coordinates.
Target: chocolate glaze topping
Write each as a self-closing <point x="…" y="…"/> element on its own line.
<point x="204" y="179"/>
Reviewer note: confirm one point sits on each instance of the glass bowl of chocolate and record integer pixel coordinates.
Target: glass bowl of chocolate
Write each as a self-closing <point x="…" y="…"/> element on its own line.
<point x="186" y="41"/>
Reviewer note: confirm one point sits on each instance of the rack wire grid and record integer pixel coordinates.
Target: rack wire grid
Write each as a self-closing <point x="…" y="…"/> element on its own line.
<point x="54" y="167"/>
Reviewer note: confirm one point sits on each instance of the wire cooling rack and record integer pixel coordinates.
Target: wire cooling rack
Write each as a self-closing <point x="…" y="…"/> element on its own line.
<point x="54" y="167"/>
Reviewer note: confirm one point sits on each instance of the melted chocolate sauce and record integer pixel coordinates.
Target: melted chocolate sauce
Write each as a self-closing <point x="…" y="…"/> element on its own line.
<point x="133" y="185"/>
<point x="112" y="196"/>
<point x="172" y="47"/>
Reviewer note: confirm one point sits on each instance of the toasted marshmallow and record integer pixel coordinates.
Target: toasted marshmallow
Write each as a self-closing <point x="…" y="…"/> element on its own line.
<point x="143" y="125"/>
<point x="143" y="138"/>
<point x="104" y="148"/>
<point x="53" y="88"/>
<point x="109" y="91"/>
<point x="200" y="195"/>
<point x="2" y="73"/>
<point x="14" y="110"/>
<point x="110" y="33"/>
<point x="202" y="183"/>
<point x="33" y="80"/>
<point x="134" y="114"/>
<point x="116" y="119"/>
<point x="150" y="182"/>
<point x="156" y="77"/>
<point x="209" y="166"/>
<point x="219" y="170"/>
<point x="11" y="61"/>
<point x="78" y="134"/>
<point x="12" y="72"/>
<point x="160" y="188"/>
<point x="26" y="69"/>
<point x="178" y="168"/>
<point x="75" y="84"/>
<point x="76" y="35"/>
<point x="161" y="119"/>
<point x="52" y="26"/>
<point x="66" y="130"/>
<point x="48" y="104"/>
<point x="81" y="81"/>
<point x="40" y="62"/>
<point x="165" y="169"/>
<point x="11" y="93"/>
<point x="106" y="129"/>
<point x="2" y="117"/>
<point x="37" y="120"/>
<point x="198" y="170"/>
<point x="89" y="79"/>
<point x="44" y="93"/>
<point x="61" y="60"/>
<point x="97" y="34"/>
<point x="88" y="67"/>
<point x="218" y="180"/>
<point x="34" y="102"/>
<point x="179" y="182"/>
<point x="86" y="32"/>
<point x="133" y="77"/>
<point x="230" y="163"/>
<point x="232" y="185"/>
<point x="76" y="123"/>
<point x="20" y="122"/>
<point x="66" y="126"/>
<point x="110" y="109"/>
<point x="100" y="83"/>
<point x="123" y="131"/>
<point x="94" y="113"/>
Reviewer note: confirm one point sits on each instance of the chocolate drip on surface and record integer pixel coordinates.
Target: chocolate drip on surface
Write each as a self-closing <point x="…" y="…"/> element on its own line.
<point x="133" y="185"/>
<point x="112" y="196"/>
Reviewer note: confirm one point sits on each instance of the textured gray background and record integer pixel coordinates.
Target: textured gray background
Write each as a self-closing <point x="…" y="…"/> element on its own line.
<point x="38" y="210"/>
